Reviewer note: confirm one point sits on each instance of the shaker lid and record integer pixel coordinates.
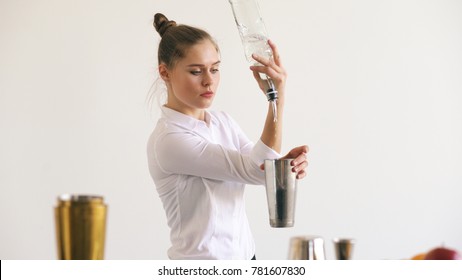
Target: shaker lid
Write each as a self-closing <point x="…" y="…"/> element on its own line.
<point x="80" y="198"/>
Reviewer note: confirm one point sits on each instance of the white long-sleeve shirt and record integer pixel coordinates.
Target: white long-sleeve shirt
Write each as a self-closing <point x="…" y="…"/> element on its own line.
<point x="200" y="170"/>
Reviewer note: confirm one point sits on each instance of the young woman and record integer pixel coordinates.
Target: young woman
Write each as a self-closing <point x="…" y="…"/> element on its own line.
<point x="200" y="160"/>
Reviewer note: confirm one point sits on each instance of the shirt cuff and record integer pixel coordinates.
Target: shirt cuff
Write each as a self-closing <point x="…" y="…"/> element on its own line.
<point x="260" y="152"/>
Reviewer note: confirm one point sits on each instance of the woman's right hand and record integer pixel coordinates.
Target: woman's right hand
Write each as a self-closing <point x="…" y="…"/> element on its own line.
<point x="300" y="161"/>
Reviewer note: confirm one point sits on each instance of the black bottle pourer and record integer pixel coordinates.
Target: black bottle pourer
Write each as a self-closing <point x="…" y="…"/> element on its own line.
<point x="271" y="92"/>
<point x="272" y="96"/>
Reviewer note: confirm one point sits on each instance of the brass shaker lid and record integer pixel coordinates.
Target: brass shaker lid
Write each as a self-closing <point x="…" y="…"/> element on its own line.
<point x="79" y="198"/>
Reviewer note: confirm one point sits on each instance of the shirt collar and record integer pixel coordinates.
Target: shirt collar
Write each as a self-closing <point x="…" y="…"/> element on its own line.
<point x="185" y="120"/>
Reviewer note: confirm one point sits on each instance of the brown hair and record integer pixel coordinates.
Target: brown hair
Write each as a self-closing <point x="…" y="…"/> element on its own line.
<point x="176" y="39"/>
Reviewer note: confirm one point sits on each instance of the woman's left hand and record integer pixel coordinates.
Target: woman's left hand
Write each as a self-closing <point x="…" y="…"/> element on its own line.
<point x="299" y="162"/>
<point x="272" y="68"/>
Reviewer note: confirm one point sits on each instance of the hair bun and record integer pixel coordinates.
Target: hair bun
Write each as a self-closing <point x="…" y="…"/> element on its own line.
<point x="161" y="23"/>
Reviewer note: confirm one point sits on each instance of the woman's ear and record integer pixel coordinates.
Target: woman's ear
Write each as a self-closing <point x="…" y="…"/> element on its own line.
<point x="163" y="72"/>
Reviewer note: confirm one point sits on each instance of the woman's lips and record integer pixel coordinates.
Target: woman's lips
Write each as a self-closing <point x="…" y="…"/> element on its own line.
<point x="207" y="94"/>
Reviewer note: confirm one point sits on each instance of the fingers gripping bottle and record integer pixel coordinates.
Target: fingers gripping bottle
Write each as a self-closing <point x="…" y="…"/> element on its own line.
<point x="254" y="39"/>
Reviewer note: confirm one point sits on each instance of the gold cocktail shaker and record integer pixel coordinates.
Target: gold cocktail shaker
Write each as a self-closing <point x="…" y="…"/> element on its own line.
<point x="80" y="227"/>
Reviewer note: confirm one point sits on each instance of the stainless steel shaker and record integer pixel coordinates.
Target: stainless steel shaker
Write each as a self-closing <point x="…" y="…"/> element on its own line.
<point x="343" y="248"/>
<point x="306" y="247"/>
<point x="281" y="192"/>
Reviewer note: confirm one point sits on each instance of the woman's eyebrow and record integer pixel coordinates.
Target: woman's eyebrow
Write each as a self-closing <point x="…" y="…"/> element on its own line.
<point x="201" y="65"/>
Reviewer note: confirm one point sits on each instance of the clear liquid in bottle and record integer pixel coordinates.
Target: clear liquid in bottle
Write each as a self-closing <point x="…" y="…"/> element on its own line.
<point x="256" y="44"/>
<point x="254" y="39"/>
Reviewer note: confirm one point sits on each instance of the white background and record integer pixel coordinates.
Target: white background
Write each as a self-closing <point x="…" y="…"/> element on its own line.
<point x="374" y="89"/>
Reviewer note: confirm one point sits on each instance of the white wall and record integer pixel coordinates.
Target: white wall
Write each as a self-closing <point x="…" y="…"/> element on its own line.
<point x="374" y="90"/>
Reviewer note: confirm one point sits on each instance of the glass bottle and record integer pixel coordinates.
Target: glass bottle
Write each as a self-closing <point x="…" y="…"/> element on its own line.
<point x="254" y="39"/>
<point x="251" y="29"/>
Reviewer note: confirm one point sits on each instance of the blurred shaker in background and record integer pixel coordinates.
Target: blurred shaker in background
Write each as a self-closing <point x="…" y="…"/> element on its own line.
<point x="80" y="227"/>
<point x="281" y="191"/>
<point x="343" y="248"/>
<point x="306" y="248"/>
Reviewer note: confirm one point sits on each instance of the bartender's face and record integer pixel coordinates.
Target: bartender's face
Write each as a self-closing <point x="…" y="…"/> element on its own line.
<point x="193" y="81"/>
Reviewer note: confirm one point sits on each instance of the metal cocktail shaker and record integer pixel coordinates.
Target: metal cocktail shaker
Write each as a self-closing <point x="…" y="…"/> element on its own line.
<point x="306" y="248"/>
<point x="80" y="227"/>
<point x="281" y="192"/>
<point x="343" y="248"/>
